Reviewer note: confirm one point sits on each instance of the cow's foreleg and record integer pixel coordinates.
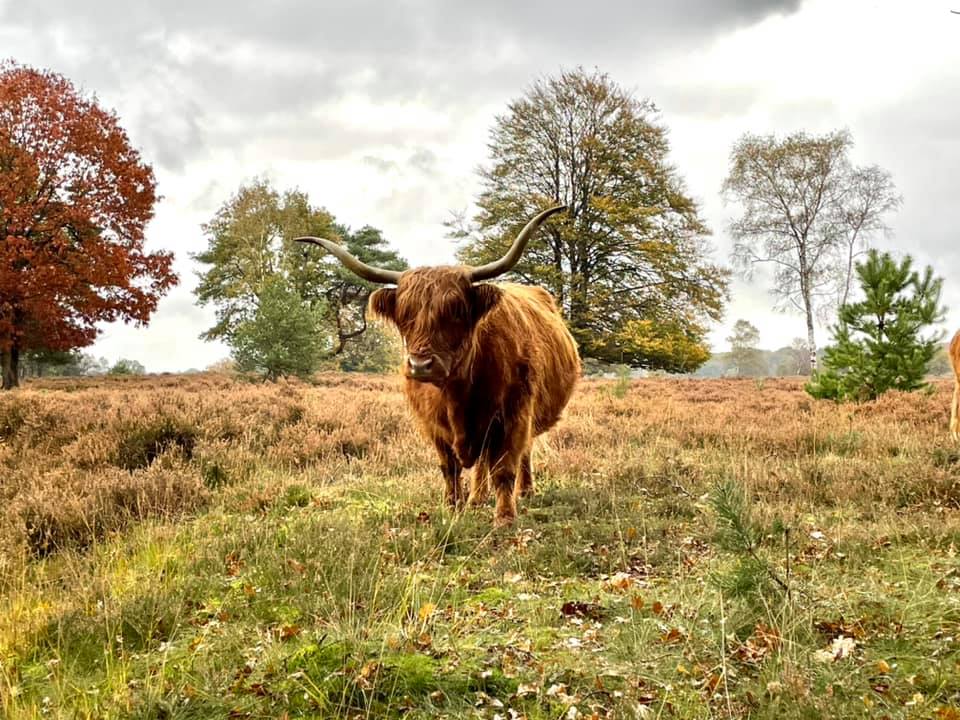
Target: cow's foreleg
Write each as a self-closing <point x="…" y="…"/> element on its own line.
<point x="450" y="467"/>
<point x="525" y="476"/>
<point x="479" y="485"/>
<point x="503" y="457"/>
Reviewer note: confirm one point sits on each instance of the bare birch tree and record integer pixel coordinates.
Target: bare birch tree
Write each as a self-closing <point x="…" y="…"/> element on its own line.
<point x="808" y="212"/>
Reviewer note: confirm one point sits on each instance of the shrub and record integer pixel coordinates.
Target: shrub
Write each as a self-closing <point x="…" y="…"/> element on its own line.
<point x="140" y="446"/>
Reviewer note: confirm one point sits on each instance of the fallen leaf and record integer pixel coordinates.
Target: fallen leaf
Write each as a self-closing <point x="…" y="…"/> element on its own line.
<point x="620" y="582"/>
<point x="713" y="682"/>
<point x="836" y="628"/>
<point x="673" y="635"/>
<point x="915" y="699"/>
<point x="583" y="609"/>
<point x="289" y="631"/>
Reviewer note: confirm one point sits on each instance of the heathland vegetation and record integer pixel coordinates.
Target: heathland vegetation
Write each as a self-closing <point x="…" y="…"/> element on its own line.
<point x="204" y="547"/>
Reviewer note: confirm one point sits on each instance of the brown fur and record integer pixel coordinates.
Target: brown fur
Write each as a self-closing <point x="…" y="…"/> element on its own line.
<point x="505" y="365"/>
<point x="955" y="407"/>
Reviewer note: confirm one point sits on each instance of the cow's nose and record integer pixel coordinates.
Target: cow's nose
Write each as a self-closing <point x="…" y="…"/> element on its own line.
<point x="420" y="364"/>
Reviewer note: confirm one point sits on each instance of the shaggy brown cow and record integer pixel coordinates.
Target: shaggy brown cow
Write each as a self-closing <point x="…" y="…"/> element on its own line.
<point x="955" y="407"/>
<point x="487" y="367"/>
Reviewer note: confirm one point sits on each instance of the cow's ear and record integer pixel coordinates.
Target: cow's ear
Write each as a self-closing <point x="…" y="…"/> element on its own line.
<point x="383" y="303"/>
<point x="484" y="298"/>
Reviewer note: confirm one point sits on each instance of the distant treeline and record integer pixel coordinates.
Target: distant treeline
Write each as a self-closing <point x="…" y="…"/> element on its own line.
<point x="785" y="362"/>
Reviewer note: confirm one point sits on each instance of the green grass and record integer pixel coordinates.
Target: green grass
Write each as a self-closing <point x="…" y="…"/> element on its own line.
<point x="342" y="609"/>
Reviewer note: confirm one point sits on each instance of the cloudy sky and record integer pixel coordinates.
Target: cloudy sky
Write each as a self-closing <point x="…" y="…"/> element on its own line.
<point x="380" y="111"/>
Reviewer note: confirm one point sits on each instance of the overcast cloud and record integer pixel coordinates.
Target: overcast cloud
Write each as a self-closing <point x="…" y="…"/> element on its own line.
<point x="380" y="111"/>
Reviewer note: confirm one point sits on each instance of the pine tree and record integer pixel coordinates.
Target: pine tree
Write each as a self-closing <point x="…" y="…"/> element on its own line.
<point x="284" y="336"/>
<point x="879" y="342"/>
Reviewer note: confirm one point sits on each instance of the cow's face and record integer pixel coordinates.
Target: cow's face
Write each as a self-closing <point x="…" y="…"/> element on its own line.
<point x="436" y="310"/>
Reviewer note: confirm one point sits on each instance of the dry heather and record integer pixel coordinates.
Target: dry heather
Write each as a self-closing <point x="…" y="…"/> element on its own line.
<point x="84" y="458"/>
<point x="616" y="593"/>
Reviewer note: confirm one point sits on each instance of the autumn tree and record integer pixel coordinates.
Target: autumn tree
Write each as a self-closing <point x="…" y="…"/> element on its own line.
<point x="250" y="244"/>
<point x="628" y="262"/>
<point x="883" y="341"/>
<point x="744" y="353"/>
<point x="75" y="198"/>
<point x="808" y="212"/>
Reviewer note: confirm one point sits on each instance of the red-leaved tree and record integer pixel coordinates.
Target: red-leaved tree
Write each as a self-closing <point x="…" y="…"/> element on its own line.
<point x="75" y="198"/>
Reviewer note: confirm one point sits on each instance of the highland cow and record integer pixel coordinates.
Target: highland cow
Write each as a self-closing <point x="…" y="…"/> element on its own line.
<point x="487" y="367"/>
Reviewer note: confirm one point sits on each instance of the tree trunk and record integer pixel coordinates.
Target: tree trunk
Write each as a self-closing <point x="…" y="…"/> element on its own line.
<point x="10" y="367"/>
<point x="810" y="341"/>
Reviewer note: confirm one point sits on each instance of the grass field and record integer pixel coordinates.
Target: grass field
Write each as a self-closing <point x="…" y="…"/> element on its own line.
<point x="199" y="547"/>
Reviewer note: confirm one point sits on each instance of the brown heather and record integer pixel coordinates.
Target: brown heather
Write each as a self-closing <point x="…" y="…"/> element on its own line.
<point x="80" y="459"/>
<point x="83" y="458"/>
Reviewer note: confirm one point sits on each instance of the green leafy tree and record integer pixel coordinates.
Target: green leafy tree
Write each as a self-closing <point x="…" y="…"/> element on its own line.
<point x="378" y="350"/>
<point x="879" y="342"/>
<point x="250" y="242"/>
<point x="284" y="336"/>
<point x="627" y="261"/>
<point x="746" y="358"/>
<point x="49" y="363"/>
<point x="807" y="212"/>
<point x="127" y="367"/>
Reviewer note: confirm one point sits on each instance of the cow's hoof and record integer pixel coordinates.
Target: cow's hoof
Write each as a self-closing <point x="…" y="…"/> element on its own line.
<point x="504" y="521"/>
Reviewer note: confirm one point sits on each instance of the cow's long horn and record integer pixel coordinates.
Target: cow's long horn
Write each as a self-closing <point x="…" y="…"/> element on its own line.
<point x="499" y="267"/>
<point x="358" y="267"/>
